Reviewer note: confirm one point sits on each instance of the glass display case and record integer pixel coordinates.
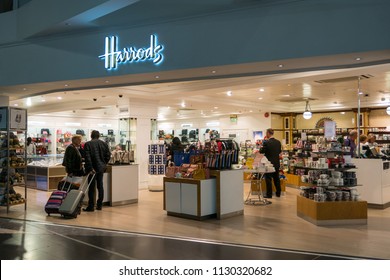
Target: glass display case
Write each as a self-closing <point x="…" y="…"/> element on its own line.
<point x="45" y="172"/>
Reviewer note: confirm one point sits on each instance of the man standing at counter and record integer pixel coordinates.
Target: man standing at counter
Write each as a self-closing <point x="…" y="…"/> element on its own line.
<point x="97" y="155"/>
<point x="272" y="149"/>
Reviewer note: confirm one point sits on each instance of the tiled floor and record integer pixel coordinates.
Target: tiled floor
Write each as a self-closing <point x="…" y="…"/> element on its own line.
<point x="29" y="240"/>
<point x="144" y="231"/>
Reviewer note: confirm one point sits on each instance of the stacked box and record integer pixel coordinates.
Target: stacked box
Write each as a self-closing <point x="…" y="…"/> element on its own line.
<point x="157" y="159"/>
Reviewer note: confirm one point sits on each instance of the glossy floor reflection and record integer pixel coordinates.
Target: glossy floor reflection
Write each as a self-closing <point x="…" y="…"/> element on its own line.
<point x="31" y="240"/>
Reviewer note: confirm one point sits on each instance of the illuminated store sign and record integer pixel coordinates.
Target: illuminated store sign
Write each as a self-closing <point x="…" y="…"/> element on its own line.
<point x="113" y="56"/>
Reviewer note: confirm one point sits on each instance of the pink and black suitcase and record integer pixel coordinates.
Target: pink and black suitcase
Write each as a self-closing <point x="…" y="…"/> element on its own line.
<point x="55" y="200"/>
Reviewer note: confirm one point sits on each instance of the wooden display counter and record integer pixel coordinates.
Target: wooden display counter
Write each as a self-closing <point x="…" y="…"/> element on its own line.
<point x="123" y="184"/>
<point x="230" y="189"/>
<point x="190" y="198"/>
<point x="221" y="196"/>
<point x="120" y="181"/>
<point x="332" y="213"/>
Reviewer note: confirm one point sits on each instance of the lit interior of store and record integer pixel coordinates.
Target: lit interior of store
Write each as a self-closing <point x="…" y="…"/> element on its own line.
<point x="298" y="98"/>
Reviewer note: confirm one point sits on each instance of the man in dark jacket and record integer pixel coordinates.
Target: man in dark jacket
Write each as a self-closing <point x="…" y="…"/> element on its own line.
<point x="272" y="149"/>
<point x="97" y="155"/>
<point x="73" y="158"/>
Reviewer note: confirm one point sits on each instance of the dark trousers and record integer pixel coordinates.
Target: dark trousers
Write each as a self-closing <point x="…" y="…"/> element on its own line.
<point x="268" y="181"/>
<point x="96" y="183"/>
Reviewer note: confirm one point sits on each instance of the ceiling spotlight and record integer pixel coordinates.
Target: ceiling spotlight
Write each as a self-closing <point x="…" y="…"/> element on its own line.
<point x="358" y="58"/>
<point x="213" y="71"/>
<point x="229" y="93"/>
<point x="307" y="114"/>
<point x="388" y="110"/>
<point x="183" y="104"/>
<point x="261" y="89"/>
<point x="280" y="65"/>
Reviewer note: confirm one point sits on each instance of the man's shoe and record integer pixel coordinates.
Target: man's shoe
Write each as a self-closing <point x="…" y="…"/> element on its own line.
<point x="98" y="208"/>
<point x="88" y="209"/>
<point x="277" y="195"/>
<point x="266" y="196"/>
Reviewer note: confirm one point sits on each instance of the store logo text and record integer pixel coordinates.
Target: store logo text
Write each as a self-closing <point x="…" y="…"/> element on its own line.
<point x="113" y="56"/>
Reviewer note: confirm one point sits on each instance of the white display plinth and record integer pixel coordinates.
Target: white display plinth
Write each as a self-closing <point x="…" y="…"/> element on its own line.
<point x="373" y="177"/>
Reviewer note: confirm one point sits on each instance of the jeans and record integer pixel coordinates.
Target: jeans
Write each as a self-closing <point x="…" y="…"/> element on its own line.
<point x="96" y="183"/>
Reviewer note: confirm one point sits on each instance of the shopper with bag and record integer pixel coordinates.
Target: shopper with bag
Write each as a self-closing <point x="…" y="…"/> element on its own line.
<point x="97" y="155"/>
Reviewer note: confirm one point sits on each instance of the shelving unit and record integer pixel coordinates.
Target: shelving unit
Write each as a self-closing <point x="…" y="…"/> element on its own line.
<point x="13" y="156"/>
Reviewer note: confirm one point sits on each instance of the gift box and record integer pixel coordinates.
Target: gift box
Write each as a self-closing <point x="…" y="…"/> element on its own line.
<point x="161" y="169"/>
<point x="158" y="159"/>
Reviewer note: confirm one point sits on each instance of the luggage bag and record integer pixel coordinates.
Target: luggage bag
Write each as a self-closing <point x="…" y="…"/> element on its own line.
<point x="71" y="206"/>
<point x="56" y="198"/>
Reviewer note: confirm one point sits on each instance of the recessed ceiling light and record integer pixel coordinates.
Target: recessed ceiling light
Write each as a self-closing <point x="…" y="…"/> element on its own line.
<point x="213" y="71"/>
<point x="16" y="104"/>
<point x="215" y="107"/>
<point x="260" y="98"/>
<point x="360" y="93"/>
<point x="106" y="81"/>
<point x="343" y="113"/>
<point x="358" y="58"/>
<point x="261" y="89"/>
<point x="24" y="89"/>
<point x="43" y="100"/>
<point x="59" y="97"/>
<point x="280" y="65"/>
<point x="157" y="77"/>
<point x="183" y="104"/>
<point x="66" y="85"/>
<point x="229" y="93"/>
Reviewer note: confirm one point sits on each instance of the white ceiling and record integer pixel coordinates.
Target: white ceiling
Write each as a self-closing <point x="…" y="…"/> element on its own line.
<point x="204" y="92"/>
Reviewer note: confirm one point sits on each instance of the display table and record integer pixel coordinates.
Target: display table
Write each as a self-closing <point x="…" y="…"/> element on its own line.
<point x="120" y="181"/>
<point x="230" y="189"/>
<point x="332" y="212"/>
<point x="190" y="198"/>
<point x="374" y="181"/>
<point x="220" y="196"/>
<point x="123" y="186"/>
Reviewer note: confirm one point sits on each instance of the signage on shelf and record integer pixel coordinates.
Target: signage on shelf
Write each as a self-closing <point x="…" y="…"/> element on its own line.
<point x="113" y="56"/>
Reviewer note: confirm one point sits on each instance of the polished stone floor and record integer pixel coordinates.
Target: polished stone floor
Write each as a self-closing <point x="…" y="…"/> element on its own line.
<point x="32" y="240"/>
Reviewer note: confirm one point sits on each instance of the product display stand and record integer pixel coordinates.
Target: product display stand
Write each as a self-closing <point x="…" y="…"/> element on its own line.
<point x="13" y="156"/>
<point x="156" y="167"/>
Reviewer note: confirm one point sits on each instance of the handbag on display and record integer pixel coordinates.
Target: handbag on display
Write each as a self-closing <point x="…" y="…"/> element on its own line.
<point x="199" y="173"/>
<point x="172" y="170"/>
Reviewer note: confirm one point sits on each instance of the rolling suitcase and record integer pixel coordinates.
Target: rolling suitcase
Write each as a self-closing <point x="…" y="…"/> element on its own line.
<point x="71" y="206"/>
<point x="55" y="200"/>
